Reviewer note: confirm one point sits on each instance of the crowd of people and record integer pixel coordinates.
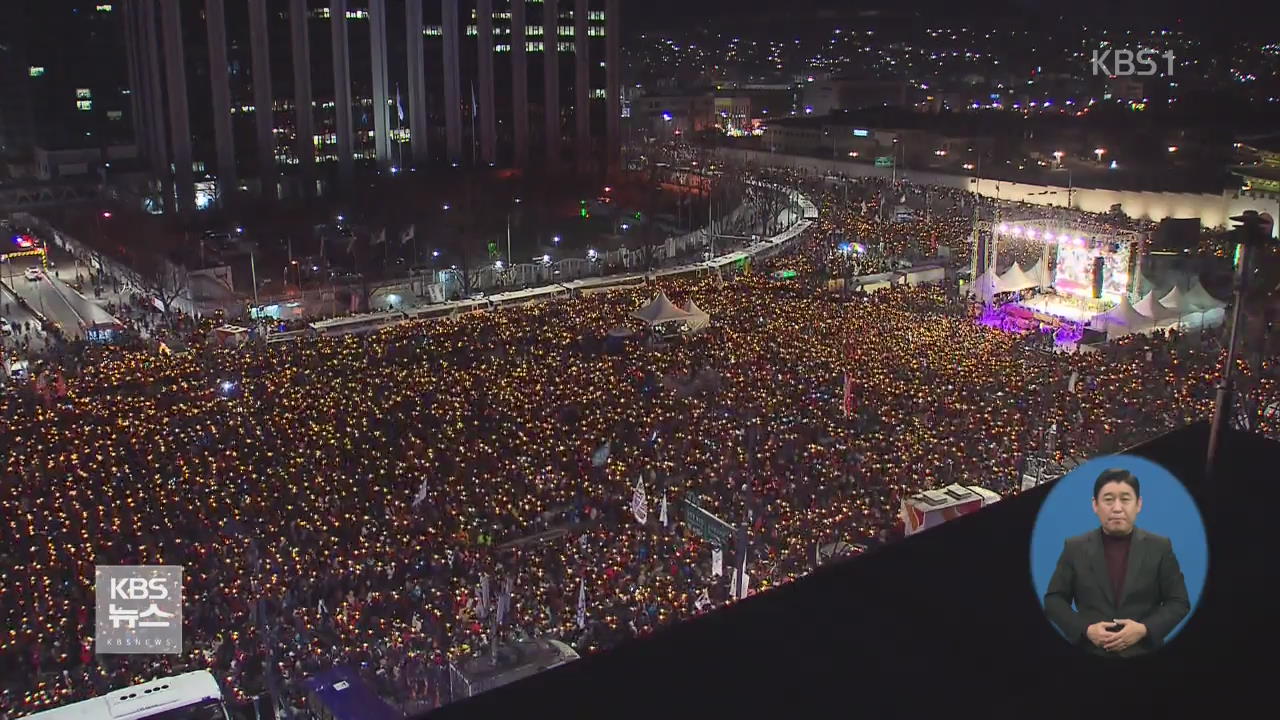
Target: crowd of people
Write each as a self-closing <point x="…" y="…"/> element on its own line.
<point x="342" y="501"/>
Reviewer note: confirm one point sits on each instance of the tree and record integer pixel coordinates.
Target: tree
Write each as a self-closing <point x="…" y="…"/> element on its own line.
<point x="165" y="280"/>
<point x="467" y="227"/>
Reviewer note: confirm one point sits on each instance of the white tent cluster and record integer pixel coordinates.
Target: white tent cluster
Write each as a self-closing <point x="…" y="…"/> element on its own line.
<point x="660" y="310"/>
<point x="1014" y="279"/>
<point x="698" y="319"/>
<point x="1192" y="308"/>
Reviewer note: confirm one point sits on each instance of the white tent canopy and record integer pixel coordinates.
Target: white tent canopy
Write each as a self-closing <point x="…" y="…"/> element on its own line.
<point x="1177" y="301"/>
<point x="659" y="311"/>
<point x="1121" y="320"/>
<point x="1155" y="312"/>
<point x="698" y="319"/>
<point x="1015" y="279"/>
<point x="983" y="286"/>
<point x="1039" y="273"/>
<point x="1201" y="299"/>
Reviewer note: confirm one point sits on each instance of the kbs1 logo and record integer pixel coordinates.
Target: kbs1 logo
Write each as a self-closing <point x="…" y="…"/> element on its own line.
<point x="139" y="609"/>
<point x="1119" y="62"/>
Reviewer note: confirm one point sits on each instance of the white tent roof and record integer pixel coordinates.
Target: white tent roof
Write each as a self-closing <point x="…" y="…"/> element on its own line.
<point x="982" y="286"/>
<point x="1040" y="273"/>
<point x="698" y="319"/>
<point x="1177" y="301"/>
<point x="660" y="310"/>
<point x="1121" y="320"/>
<point x="693" y="309"/>
<point x="1014" y="279"/>
<point x="1154" y="311"/>
<point x="1201" y="299"/>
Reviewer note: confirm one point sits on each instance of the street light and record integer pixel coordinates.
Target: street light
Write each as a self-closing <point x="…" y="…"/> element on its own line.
<point x="1100" y="152"/>
<point x="1057" y="155"/>
<point x="555" y="240"/>
<point x="446" y="206"/>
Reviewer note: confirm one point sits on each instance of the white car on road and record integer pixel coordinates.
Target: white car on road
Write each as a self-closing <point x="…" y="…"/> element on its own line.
<point x="33" y="273"/>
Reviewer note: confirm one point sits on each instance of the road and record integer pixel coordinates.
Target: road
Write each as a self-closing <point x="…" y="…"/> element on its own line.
<point x="16" y="315"/>
<point x="58" y="302"/>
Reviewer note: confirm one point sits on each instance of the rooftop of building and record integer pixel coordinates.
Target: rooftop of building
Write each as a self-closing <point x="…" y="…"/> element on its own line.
<point x="1263" y="143"/>
<point x="1270" y="173"/>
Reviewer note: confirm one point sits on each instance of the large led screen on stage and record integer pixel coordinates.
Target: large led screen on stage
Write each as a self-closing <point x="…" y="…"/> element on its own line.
<point x="1074" y="272"/>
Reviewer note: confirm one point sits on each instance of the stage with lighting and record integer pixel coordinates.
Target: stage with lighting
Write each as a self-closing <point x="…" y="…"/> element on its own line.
<point x="1078" y="278"/>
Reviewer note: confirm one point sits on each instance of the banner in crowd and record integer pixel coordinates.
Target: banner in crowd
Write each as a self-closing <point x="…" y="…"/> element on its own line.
<point x="639" y="503"/>
<point x="582" y="603"/>
<point x="717" y="562"/>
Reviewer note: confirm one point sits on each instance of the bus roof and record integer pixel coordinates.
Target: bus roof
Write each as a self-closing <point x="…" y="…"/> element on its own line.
<point x="952" y="495"/>
<point x="141" y="701"/>
<point x="347" y="697"/>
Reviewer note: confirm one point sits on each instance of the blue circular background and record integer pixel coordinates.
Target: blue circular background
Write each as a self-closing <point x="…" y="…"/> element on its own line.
<point x="1167" y="509"/>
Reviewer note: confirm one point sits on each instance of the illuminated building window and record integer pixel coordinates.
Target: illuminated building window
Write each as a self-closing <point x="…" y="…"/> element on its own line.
<point x="472" y="31"/>
<point x="595" y="31"/>
<point x="533" y="46"/>
<point x="501" y="48"/>
<point x="432" y="31"/>
<point x="84" y="104"/>
<point x="115" y="114"/>
<point x="597" y="94"/>
<point x="595" y="15"/>
<point x="357" y="14"/>
<point x="104" y="8"/>
<point x="35" y="71"/>
<point x="84" y="94"/>
<point x="564" y="46"/>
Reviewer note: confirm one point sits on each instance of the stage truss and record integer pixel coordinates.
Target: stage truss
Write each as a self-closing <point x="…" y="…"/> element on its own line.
<point x="1051" y="231"/>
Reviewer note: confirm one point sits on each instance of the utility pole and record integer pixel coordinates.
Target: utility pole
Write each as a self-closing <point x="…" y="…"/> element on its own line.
<point x="253" y="270"/>
<point x="711" y="231"/>
<point x="1252" y="233"/>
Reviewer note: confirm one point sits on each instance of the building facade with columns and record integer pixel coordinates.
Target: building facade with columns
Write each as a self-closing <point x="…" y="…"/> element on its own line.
<point x="358" y="85"/>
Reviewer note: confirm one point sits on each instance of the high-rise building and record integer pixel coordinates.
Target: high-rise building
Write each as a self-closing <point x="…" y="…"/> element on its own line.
<point x="63" y="79"/>
<point x="388" y="84"/>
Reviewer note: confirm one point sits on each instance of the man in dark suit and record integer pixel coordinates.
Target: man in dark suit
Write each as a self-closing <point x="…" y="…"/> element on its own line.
<point x="1125" y="583"/>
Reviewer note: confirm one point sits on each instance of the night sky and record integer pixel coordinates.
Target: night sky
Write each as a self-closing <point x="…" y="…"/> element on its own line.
<point x="1243" y="14"/>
